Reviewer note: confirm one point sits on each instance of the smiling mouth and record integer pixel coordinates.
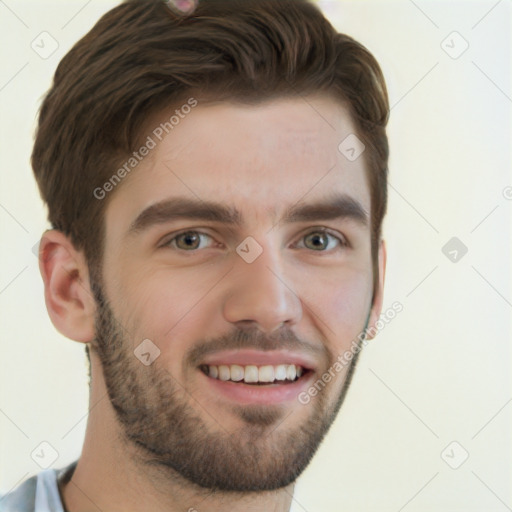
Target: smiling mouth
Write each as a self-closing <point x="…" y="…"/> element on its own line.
<point x="262" y="375"/>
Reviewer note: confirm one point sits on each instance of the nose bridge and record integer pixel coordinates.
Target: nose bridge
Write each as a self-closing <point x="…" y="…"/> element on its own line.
<point x="259" y="291"/>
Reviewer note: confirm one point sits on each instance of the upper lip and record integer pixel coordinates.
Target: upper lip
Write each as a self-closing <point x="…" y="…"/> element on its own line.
<point x="247" y="357"/>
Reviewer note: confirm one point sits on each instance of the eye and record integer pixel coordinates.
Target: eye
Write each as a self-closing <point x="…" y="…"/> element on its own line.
<point x="186" y="241"/>
<point x="318" y="240"/>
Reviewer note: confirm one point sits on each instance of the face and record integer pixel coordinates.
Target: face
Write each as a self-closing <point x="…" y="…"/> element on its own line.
<point x="237" y="270"/>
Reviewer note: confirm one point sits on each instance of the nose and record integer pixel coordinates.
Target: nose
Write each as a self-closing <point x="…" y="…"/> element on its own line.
<point x="260" y="294"/>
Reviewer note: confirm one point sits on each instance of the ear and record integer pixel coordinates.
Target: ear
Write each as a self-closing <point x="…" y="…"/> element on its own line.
<point x="67" y="292"/>
<point x="378" y="298"/>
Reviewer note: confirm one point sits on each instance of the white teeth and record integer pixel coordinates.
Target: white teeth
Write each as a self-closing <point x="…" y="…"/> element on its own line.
<point x="252" y="373"/>
<point x="266" y="374"/>
<point x="237" y="372"/>
<point x="280" y="373"/>
<point x="224" y="372"/>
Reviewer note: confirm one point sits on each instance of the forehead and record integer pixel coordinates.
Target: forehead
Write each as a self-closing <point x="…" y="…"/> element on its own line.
<point x="256" y="158"/>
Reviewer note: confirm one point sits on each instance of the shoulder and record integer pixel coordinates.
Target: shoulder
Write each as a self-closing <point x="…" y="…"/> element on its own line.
<point x="38" y="491"/>
<point x="22" y="498"/>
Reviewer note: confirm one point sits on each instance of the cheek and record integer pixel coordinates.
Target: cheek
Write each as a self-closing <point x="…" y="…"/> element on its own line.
<point x="172" y="309"/>
<point x="339" y="308"/>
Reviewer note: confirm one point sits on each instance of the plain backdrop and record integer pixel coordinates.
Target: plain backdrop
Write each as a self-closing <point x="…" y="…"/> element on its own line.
<point x="426" y="424"/>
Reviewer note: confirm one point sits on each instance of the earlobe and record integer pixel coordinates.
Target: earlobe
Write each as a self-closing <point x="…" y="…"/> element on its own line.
<point x="378" y="298"/>
<point x="68" y="297"/>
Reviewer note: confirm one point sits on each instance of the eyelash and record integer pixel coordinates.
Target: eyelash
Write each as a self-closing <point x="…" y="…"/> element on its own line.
<point x="342" y="242"/>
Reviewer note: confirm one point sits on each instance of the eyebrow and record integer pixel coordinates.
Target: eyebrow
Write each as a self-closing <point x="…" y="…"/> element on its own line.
<point x="340" y="206"/>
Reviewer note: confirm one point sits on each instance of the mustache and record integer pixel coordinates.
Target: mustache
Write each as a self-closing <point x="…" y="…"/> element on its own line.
<point x="256" y="340"/>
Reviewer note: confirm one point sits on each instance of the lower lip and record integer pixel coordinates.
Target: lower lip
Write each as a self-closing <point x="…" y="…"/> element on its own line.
<point x="259" y="394"/>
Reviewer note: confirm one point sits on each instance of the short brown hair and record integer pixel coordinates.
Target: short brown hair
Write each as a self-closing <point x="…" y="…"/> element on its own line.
<point x="141" y="58"/>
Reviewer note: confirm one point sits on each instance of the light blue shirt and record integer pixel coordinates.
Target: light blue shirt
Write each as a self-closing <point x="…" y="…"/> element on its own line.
<point x="38" y="493"/>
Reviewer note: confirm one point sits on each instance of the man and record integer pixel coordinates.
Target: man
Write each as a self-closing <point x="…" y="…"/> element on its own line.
<point x="216" y="179"/>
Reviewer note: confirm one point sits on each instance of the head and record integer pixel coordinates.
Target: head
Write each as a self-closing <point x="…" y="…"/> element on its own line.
<point x="242" y="103"/>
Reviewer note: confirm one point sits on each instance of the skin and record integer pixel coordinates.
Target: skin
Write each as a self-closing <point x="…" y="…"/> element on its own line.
<point x="260" y="159"/>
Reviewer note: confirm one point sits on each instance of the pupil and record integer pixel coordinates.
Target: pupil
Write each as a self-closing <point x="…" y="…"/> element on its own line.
<point x="189" y="238"/>
<point x="316" y="239"/>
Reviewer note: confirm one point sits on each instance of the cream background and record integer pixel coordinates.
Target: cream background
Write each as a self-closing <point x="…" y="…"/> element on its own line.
<point x="439" y="372"/>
